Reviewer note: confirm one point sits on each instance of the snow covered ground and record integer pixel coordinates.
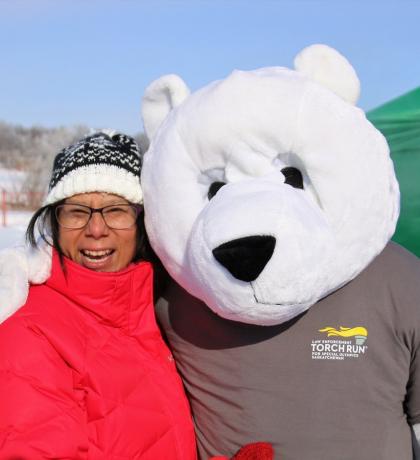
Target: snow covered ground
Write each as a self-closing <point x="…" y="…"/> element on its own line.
<point x="14" y="232"/>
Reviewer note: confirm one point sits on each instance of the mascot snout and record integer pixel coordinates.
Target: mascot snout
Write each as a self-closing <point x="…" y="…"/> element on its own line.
<point x="245" y="258"/>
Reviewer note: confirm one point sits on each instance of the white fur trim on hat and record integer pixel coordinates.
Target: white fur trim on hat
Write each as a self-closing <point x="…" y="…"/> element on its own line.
<point x="97" y="178"/>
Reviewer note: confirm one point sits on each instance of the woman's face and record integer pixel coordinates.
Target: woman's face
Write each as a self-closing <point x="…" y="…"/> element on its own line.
<point x="96" y="246"/>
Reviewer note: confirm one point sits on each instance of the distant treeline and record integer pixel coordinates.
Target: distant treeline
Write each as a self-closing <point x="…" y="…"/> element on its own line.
<point x="33" y="150"/>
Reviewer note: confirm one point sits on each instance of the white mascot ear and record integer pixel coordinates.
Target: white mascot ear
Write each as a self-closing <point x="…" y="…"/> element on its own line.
<point x="160" y="97"/>
<point x="328" y="67"/>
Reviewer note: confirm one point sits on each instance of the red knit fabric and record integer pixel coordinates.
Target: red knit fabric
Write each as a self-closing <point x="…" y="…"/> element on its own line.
<point x="253" y="451"/>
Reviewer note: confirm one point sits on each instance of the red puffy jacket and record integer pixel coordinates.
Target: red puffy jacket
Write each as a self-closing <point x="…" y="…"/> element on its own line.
<point x="85" y="374"/>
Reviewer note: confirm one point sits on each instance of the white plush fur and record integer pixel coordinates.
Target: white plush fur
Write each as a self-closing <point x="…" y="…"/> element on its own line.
<point x="18" y="267"/>
<point x="329" y="68"/>
<point x="243" y="130"/>
<point x="161" y="97"/>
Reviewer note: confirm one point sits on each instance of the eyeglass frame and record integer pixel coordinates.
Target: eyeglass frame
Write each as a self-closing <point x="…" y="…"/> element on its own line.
<point x="137" y="207"/>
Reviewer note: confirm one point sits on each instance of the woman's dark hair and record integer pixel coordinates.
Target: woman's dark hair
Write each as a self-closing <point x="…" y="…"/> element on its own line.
<point x="44" y="222"/>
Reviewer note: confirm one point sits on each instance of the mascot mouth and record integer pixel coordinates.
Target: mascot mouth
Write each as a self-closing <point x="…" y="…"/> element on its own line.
<point x="281" y="304"/>
<point x="245" y="258"/>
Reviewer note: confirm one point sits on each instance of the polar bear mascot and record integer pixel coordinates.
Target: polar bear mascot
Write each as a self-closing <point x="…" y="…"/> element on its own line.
<point x="271" y="200"/>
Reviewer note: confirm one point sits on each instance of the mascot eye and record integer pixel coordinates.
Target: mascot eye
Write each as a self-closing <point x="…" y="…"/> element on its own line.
<point x="293" y="177"/>
<point x="214" y="188"/>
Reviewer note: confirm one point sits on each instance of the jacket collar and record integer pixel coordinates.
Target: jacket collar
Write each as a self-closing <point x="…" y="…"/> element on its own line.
<point x="118" y="299"/>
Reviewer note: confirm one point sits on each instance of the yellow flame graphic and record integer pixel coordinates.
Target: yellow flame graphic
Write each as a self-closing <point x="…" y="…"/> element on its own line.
<point x="345" y="331"/>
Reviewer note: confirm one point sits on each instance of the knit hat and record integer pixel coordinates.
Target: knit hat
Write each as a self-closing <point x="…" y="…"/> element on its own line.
<point x="103" y="162"/>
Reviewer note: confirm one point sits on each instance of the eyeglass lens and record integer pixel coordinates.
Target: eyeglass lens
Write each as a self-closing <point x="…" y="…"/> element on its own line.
<point x="76" y="216"/>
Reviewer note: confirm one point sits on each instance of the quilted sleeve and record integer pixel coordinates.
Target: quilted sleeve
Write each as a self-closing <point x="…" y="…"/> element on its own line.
<point x="40" y="416"/>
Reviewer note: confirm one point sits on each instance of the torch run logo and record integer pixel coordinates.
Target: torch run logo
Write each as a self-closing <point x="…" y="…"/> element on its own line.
<point x="340" y="344"/>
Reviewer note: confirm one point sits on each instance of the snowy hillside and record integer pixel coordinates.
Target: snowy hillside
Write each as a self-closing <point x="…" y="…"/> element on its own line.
<point x="11" y="181"/>
<point x="14" y="232"/>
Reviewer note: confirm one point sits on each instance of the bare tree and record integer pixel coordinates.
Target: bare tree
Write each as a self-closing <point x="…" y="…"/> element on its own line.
<point x="33" y="150"/>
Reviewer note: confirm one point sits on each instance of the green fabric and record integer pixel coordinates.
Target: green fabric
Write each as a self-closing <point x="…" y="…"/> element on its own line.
<point x="399" y="121"/>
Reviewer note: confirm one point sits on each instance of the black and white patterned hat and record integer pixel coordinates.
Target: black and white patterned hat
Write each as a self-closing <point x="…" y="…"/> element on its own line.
<point x="102" y="162"/>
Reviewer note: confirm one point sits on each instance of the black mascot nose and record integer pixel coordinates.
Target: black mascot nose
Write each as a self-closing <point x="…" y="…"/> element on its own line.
<point x="246" y="257"/>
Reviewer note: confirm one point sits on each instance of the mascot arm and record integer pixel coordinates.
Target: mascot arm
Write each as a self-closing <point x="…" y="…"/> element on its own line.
<point x="19" y="267"/>
<point x="416" y="429"/>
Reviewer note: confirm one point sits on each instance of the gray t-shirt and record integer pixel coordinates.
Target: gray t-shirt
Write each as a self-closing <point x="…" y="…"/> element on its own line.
<point x="340" y="382"/>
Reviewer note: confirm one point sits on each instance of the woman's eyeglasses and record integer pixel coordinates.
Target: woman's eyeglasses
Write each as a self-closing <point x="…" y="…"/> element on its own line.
<point x="116" y="216"/>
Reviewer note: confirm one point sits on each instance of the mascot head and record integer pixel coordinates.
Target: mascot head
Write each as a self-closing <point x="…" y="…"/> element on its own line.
<point x="267" y="190"/>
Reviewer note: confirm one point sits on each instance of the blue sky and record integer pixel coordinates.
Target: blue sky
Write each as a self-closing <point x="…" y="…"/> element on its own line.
<point x="88" y="62"/>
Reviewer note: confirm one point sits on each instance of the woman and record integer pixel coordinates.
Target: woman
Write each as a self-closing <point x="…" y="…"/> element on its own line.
<point x="84" y="372"/>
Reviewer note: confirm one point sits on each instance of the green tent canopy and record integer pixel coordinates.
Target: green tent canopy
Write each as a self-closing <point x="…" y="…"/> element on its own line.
<point x="399" y="122"/>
